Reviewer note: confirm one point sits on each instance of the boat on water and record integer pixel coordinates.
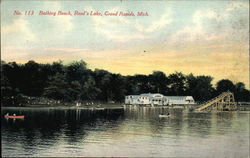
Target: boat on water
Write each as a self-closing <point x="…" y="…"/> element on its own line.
<point x="164" y="116"/>
<point x="14" y="117"/>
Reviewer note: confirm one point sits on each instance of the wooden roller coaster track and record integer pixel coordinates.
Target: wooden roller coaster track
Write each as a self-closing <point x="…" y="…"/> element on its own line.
<point x="223" y="102"/>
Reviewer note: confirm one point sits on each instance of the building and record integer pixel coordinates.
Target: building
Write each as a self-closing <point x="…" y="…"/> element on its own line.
<point x="157" y="99"/>
<point x="146" y="99"/>
<point x="180" y="100"/>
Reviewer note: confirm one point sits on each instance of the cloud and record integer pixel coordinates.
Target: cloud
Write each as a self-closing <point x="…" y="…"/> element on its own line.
<point x="13" y="53"/>
<point x="230" y="23"/>
<point x="120" y="36"/>
<point x="123" y="29"/>
<point x="25" y="53"/>
<point x="235" y="5"/>
<point x="160" y="23"/>
<point x="68" y="50"/>
<point x="19" y="27"/>
<point x="196" y="31"/>
<point x="63" y="23"/>
<point x="112" y="28"/>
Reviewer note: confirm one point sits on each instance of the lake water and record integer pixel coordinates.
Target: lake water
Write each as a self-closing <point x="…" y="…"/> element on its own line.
<point x="137" y="132"/>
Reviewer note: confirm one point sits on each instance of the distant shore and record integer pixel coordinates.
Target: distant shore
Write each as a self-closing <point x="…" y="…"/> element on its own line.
<point x="241" y="107"/>
<point x="102" y="106"/>
<point x="107" y="106"/>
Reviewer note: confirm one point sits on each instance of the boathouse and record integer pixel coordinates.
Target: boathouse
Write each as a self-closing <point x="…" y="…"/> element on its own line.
<point x="157" y="99"/>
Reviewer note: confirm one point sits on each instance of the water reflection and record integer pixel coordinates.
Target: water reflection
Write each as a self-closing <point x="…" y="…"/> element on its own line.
<point x="47" y="127"/>
<point x="223" y="120"/>
<point x="131" y="131"/>
<point x="199" y="124"/>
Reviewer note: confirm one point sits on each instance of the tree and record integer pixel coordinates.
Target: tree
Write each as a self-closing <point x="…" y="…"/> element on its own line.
<point x="105" y="87"/>
<point x="177" y="84"/>
<point x="56" y="67"/>
<point x="57" y="87"/>
<point x="10" y="72"/>
<point x="200" y="87"/>
<point x="241" y="94"/>
<point x="75" y="82"/>
<point x="75" y="91"/>
<point x="158" y="82"/>
<point x="140" y="84"/>
<point x="7" y="92"/>
<point x="34" y="78"/>
<point x="117" y="87"/>
<point x="10" y="95"/>
<point x="77" y="71"/>
<point x="90" y="91"/>
<point x="130" y="86"/>
<point x="224" y="86"/>
<point x="103" y="82"/>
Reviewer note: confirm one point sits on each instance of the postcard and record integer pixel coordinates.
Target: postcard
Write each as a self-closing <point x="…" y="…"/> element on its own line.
<point x="167" y="78"/>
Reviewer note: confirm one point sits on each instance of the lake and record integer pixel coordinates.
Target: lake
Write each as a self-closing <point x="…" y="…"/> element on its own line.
<point x="133" y="131"/>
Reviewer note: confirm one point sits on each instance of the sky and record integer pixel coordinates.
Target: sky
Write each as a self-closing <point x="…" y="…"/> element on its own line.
<point x="189" y="36"/>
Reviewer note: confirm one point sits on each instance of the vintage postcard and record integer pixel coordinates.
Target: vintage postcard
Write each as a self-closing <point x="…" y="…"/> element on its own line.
<point x="166" y="78"/>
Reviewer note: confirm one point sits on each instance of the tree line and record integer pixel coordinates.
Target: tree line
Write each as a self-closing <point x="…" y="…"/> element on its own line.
<point x="75" y="82"/>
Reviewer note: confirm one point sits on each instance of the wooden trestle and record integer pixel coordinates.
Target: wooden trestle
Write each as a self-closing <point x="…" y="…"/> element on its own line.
<point x="223" y="102"/>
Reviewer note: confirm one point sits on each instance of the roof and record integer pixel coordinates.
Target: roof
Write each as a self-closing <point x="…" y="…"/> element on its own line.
<point x="152" y="95"/>
<point x="178" y="96"/>
<point x="158" y="95"/>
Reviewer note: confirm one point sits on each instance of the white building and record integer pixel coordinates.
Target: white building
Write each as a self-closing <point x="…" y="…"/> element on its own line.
<point x="157" y="99"/>
<point x="146" y="99"/>
<point x="180" y="100"/>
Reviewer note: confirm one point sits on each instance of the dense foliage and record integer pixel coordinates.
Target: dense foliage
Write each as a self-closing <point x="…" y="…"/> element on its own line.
<point x="75" y="82"/>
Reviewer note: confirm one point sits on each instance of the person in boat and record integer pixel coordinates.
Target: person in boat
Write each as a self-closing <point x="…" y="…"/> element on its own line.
<point x="7" y="114"/>
<point x="14" y="114"/>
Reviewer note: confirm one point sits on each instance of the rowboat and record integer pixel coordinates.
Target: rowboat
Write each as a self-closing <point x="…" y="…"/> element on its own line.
<point x="164" y="115"/>
<point x="14" y="117"/>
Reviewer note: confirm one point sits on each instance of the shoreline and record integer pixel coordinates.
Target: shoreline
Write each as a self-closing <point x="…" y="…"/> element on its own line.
<point x="64" y="107"/>
<point x="96" y="108"/>
<point x="101" y="107"/>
